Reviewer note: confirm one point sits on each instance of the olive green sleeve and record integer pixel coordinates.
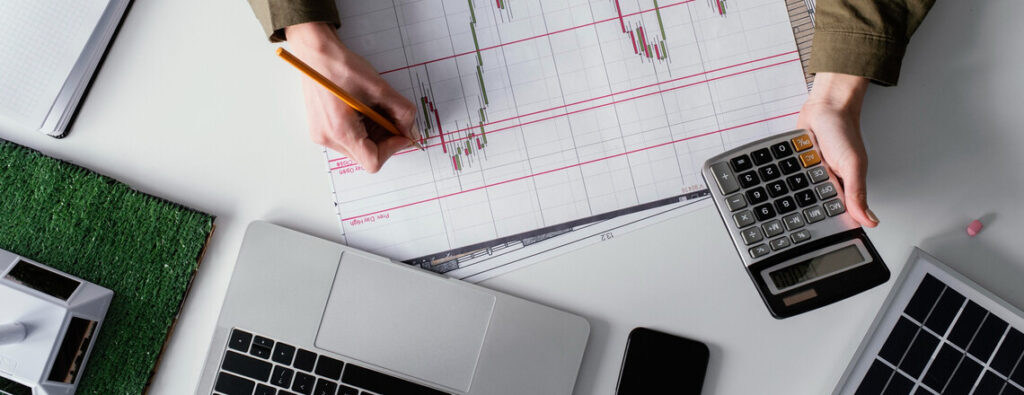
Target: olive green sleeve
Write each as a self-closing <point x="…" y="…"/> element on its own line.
<point x="865" y="37"/>
<point x="275" y="15"/>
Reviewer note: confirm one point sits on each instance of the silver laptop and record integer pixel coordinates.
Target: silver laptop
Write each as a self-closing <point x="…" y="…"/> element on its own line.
<point x="304" y="315"/>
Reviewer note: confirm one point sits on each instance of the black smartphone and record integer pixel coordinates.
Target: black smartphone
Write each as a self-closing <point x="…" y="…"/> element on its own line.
<point x="660" y="363"/>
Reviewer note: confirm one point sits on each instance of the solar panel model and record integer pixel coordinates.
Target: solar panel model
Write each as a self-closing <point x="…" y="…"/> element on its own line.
<point x="939" y="333"/>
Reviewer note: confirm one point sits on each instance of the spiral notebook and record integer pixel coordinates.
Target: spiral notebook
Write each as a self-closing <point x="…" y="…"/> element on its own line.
<point x="48" y="55"/>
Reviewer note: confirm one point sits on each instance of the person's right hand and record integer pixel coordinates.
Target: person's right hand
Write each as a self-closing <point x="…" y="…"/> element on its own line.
<point x="832" y="114"/>
<point x="334" y="124"/>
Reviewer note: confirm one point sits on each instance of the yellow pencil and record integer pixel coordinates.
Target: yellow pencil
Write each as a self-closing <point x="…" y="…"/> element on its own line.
<point x="341" y="94"/>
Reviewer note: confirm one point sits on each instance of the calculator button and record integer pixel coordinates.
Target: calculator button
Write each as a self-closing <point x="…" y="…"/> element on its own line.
<point x="814" y="214"/>
<point x="789" y="165"/>
<point x="749" y="179"/>
<point x="759" y="251"/>
<point x="726" y="180"/>
<point x="801" y="236"/>
<point x="779" y="243"/>
<point x="777" y="188"/>
<point x="735" y="202"/>
<point x="769" y="172"/>
<point x="793" y="221"/>
<point x="797" y="181"/>
<point x="764" y="212"/>
<point x="782" y="150"/>
<point x="761" y="156"/>
<point x="772" y="228"/>
<point x="741" y="163"/>
<point x="785" y="205"/>
<point x="743" y="218"/>
<point x="751" y="235"/>
<point x="834" y="207"/>
<point x="825" y="190"/>
<point x="805" y="198"/>
<point x="756" y="195"/>
<point x="810" y="158"/>
<point x="802" y="142"/>
<point x="818" y="174"/>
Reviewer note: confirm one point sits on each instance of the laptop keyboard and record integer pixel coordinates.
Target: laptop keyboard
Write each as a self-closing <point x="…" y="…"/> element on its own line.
<point x="256" y="365"/>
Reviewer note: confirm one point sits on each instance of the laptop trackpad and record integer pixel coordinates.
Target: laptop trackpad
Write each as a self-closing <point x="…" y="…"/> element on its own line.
<point x="414" y="323"/>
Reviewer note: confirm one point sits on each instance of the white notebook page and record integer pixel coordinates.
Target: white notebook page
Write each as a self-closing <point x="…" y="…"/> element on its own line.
<point x="40" y="40"/>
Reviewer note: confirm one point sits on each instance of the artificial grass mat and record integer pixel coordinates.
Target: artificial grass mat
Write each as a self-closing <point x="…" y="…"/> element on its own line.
<point x="143" y="248"/>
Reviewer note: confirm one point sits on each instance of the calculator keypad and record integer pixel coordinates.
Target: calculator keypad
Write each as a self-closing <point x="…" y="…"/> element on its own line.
<point x="749" y="179"/>
<point x="769" y="172"/>
<point x="778" y="191"/>
<point x="782" y="150"/>
<point x="772" y="228"/>
<point x="736" y="202"/>
<point x="777" y="188"/>
<point x="834" y="207"/>
<point x="761" y="156"/>
<point x="825" y="190"/>
<point x="764" y="212"/>
<point x="743" y="218"/>
<point x="814" y="214"/>
<point x="741" y="163"/>
<point x="790" y="166"/>
<point x="810" y="158"/>
<point x="817" y="174"/>
<point x="794" y="221"/>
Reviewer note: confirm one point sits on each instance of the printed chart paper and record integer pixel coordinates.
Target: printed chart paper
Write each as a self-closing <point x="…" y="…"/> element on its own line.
<point x="553" y="124"/>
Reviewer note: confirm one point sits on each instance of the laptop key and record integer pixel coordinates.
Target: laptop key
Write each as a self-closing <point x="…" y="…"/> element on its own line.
<point x="282" y="377"/>
<point x="381" y="383"/>
<point x="329" y="367"/>
<point x="229" y="384"/>
<point x="240" y="340"/>
<point x="304" y="360"/>
<point x="259" y="351"/>
<point x="265" y="390"/>
<point x="283" y="353"/>
<point x="303" y="383"/>
<point x="283" y="392"/>
<point x="346" y="390"/>
<point x="263" y="342"/>
<point x="247" y="366"/>
<point x="324" y="387"/>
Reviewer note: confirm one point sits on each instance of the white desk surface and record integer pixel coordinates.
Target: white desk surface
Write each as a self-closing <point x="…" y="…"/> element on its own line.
<point x="228" y="136"/>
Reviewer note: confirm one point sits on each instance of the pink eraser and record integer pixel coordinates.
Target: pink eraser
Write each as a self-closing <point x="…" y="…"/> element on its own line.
<point x="974" y="228"/>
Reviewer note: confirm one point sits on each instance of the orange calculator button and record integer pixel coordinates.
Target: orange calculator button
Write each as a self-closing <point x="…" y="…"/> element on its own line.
<point x="802" y="142"/>
<point x="810" y="158"/>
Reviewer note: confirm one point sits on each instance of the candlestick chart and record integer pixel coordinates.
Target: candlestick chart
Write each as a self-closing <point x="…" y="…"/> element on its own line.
<point x="541" y="117"/>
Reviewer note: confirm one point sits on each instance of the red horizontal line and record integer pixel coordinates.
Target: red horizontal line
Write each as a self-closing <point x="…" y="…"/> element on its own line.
<point x="604" y="96"/>
<point x="535" y="37"/>
<point x="598" y="106"/>
<point x="617" y="93"/>
<point x="573" y="165"/>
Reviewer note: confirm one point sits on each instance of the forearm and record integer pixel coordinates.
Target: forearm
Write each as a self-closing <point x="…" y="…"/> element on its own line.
<point x="312" y="38"/>
<point x="840" y="91"/>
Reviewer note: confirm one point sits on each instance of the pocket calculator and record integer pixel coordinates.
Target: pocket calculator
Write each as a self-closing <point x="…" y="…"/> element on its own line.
<point x="783" y="208"/>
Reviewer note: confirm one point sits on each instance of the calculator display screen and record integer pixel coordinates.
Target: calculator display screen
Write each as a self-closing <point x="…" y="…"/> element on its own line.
<point x="821" y="265"/>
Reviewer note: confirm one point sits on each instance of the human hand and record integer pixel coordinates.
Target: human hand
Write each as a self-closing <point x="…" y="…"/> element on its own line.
<point x="832" y="114"/>
<point x="334" y="124"/>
